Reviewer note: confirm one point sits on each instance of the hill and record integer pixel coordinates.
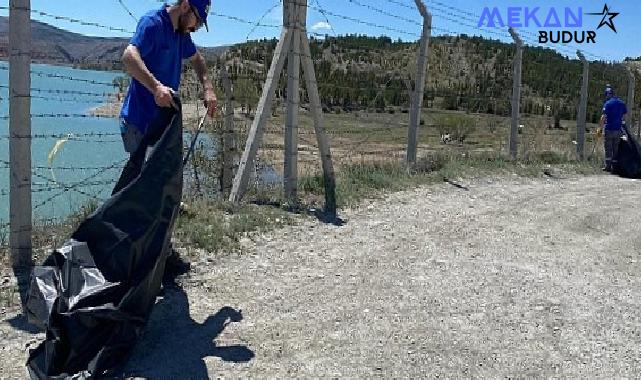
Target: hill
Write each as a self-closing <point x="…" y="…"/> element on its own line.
<point x="53" y="45"/>
<point x="467" y="73"/>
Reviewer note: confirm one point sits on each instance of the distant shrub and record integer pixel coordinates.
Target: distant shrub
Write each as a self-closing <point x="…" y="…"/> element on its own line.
<point x="459" y="127"/>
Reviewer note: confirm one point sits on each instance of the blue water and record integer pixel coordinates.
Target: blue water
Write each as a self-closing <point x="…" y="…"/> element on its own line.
<point x="85" y="167"/>
<point x="84" y="154"/>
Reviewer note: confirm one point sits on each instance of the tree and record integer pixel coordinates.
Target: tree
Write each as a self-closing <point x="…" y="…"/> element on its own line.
<point x="246" y="93"/>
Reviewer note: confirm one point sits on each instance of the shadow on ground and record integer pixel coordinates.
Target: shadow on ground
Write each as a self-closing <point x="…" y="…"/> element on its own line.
<point x="175" y="346"/>
<point x="322" y="215"/>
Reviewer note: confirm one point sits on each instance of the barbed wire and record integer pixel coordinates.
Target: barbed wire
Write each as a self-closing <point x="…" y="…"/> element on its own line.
<point x="385" y="13"/>
<point x="363" y="22"/>
<point x="76" y="185"/>
<point x="61" y="115"/>
<point x="65" y="77"/>
<point x="66" y="18"/>
<point x="68" y="92"/>
<point x="261" y="19"/>
<point x="244" y="21"/>
<point x="58" y="99"/>
<point x="56" y="185"/>
<point x="7" y="164"/>
<point x="71" y="168"/>
<point x="70" y="136"/>
<point x="60" y="135"/>
<point x="122" y="3"/>
<point x="322" y="12"/>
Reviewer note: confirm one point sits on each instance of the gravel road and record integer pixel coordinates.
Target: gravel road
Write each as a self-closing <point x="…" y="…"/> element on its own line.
<point x="505" y="277"/>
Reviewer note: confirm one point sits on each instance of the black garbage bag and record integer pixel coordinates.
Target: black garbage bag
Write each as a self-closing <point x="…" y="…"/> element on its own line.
<point x="95" y="294"/>
<point x="627" y="162"/>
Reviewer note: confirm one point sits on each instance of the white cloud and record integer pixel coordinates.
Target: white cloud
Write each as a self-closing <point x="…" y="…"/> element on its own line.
<point x="321" y="25"/>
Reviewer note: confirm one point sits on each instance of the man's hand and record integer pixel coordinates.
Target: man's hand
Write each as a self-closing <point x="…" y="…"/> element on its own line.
<point x="200" y="67"/>
<point x="211" y="102"/>
<point x="163" y="96"/>
<point x="136" y="67"/>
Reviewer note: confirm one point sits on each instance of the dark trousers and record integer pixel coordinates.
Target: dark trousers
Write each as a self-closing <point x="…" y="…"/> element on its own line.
<point x="611" y="141"/>
<point x="137" y="148"/>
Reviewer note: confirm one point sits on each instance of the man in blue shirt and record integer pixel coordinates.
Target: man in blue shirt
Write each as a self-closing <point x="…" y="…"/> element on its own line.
<point x="614" y="110"/>
<point x="154" y="60"/>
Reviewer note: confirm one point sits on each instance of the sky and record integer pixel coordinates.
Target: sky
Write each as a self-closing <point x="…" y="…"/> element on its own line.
<point x="393" y="18"/>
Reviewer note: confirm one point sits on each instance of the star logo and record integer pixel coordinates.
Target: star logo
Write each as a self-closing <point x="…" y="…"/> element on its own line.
<point x="607" y="19"/>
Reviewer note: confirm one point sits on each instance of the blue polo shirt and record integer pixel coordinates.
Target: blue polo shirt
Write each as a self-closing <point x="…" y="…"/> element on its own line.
<point x="162" y="50"/>
<point x="614" y="109"/>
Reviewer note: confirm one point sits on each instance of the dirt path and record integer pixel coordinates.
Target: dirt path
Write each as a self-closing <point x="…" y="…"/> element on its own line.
<point x="517" y="278"/>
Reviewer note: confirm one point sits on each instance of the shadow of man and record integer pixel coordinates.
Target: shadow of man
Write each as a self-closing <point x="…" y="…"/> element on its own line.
<point x="175" y="346"/>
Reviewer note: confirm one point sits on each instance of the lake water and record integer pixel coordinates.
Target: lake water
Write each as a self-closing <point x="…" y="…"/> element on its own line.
<point x="87" y="155"/>
<point x="92" y="158"/>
